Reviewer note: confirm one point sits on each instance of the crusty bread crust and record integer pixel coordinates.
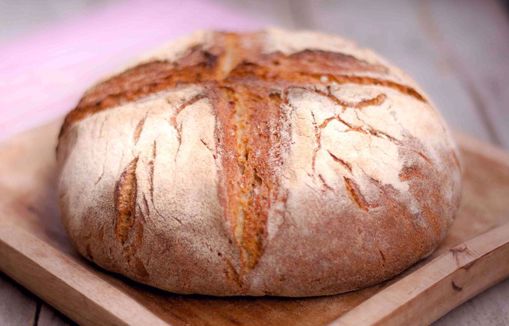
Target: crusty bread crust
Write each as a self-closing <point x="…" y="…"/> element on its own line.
<point x="269" y="163"/>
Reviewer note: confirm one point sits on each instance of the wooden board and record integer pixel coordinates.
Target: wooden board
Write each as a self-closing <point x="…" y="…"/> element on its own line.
<point x="35" y="251"/>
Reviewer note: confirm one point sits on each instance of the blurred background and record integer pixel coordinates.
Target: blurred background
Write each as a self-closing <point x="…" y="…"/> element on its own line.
<point x="458" y="50"/>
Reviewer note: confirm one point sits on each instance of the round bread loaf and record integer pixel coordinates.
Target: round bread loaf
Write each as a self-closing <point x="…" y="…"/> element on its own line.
<point x="267" y="163"/>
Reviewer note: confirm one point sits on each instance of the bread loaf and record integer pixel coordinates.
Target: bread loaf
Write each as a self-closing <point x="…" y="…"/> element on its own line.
<point x="266" y="163"/>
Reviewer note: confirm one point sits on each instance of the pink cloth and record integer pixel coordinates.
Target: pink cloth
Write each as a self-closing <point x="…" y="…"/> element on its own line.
<point x="43" y="75"/>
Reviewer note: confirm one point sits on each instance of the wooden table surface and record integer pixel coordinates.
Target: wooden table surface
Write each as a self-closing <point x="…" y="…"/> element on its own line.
<point x="458" y="50"/>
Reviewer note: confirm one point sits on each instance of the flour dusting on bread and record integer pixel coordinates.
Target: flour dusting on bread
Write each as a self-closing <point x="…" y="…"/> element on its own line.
<point x="265" y="163"/>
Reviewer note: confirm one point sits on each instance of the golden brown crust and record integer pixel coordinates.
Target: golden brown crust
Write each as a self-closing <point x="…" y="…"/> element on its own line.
<point x="205" y="65"/>
<point x="249" y="171"/>
<point x="125" y="200"/>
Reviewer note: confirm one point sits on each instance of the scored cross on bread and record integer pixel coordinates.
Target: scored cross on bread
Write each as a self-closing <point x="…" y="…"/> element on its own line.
<point x="264" y="163"/>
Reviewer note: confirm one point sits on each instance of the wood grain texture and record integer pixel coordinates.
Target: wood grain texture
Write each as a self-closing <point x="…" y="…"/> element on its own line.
<point x="458" y="52"/>
<point x="431" y="291"/>
<point x="489" y="308"/>
<point x="17" y="305"/>
<point x="59" y="280"/>
<point x="48" y="316"/>
<point x="31" y="236"/>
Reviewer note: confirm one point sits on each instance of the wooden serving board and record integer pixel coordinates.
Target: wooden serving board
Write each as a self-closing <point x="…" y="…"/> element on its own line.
<point x="35" y="251"/>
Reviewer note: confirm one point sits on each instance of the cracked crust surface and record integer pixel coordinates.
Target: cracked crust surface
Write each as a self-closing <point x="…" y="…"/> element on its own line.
<point x="268" y="163"/>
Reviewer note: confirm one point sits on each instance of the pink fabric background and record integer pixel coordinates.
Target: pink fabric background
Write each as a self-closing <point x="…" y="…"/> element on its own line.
<point x="43" y="74"/>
